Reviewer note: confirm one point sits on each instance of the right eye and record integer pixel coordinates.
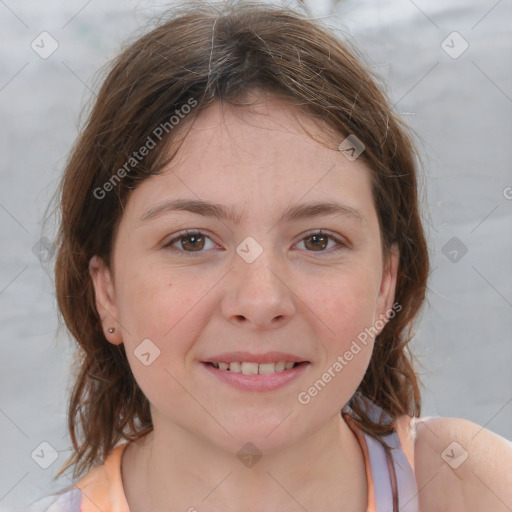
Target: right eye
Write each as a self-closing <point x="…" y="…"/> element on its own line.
<point x="190" y="241"/>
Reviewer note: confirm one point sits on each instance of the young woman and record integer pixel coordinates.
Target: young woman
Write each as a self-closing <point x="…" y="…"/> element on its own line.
<point x="240" y="260"/>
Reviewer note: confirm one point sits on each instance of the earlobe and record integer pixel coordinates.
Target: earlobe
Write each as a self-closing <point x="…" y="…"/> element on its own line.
<point x="104" y="293"/>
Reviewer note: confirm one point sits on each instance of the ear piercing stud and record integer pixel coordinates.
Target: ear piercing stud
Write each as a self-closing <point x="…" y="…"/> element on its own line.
<point x="111" y="330"/>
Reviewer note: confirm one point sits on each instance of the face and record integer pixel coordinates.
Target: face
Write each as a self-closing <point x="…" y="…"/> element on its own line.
<point x="189" y="290"/>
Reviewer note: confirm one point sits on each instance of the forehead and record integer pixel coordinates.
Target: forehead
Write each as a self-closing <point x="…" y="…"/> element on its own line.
<point x="261" y="134"/>
<point x="258" y="156"/>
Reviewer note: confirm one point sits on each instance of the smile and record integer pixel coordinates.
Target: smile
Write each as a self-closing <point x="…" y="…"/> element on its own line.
<point x="250" y="376"/>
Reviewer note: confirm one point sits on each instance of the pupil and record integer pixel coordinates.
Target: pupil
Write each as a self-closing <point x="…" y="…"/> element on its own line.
<point x="319" y="240"/>
<point x="194" y="239"/>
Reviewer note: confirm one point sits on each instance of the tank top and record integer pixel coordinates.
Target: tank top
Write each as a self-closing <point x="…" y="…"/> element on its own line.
<point x="390" y="478"/>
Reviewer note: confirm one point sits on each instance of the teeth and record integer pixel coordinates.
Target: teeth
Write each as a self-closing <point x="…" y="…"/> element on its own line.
<point x="235" y="367"/>
<point x="250" y="368"/>
<point x="266" y="368"/>
<point x="254" y="368"/>
<point x="280" y="366"/>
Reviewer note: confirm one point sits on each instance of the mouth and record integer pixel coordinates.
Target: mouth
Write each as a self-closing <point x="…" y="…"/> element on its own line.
<point x="253" y="372"/>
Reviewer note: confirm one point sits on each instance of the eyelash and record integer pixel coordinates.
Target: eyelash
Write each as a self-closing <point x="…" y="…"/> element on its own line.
<point x="186" y="234"/>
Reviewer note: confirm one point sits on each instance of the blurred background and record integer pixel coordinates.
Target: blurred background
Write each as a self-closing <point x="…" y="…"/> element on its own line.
<point x="446" y="67"/>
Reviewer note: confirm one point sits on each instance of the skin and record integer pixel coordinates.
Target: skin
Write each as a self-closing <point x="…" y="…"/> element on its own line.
<point x="482" y="482"/>
<point x="292" y="298"/>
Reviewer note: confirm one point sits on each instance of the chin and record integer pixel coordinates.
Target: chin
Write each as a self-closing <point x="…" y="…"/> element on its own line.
<point x="267" y="435"/>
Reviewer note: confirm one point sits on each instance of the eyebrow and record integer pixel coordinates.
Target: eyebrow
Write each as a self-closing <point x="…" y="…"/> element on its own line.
<point x="294" y="212"/>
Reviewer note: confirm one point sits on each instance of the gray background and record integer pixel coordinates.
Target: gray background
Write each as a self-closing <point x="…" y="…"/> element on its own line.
<point x="460" y="109"/>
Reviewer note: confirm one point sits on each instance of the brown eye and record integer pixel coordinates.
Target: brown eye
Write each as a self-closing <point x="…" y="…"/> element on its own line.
<point x="188" y="242"/>
<point x="318" y="242"/>
<point x="192" y="242"/>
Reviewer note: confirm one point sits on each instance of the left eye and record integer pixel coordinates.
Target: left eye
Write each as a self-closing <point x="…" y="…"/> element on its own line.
<point x="195" y="241"/>
<point x="321" y="240"/>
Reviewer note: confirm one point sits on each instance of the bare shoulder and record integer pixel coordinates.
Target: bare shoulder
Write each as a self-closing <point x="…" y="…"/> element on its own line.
<point x="462" y="466"/>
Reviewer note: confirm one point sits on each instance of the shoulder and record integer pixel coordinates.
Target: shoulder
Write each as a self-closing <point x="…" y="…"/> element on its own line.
<point x="462" y="466"/>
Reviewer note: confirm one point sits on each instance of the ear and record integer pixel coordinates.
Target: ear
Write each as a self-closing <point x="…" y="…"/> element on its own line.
<point x="105" y="299"/>
<point x="386" y="296"/>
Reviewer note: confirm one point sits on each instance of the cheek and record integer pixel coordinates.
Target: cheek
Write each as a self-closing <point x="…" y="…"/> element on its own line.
<point x="345" y="302"/>
<point x="156" y="311"/>
<point x="165" y="308"/>
<point x="346" y="309"/>
<point x="143" y="297"/>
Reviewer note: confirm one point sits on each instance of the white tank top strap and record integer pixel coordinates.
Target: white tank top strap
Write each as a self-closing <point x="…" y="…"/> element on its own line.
<point x="391" y="483"/>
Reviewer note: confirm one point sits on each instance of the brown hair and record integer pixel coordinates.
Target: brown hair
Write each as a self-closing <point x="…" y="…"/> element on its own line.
<point x="208" y="53"/>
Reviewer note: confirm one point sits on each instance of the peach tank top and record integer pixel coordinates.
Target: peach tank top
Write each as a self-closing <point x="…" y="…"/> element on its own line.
<point x="390" y="479"/>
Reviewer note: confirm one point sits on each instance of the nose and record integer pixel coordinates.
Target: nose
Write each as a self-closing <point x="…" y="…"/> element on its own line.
<point x="257" y="294"/>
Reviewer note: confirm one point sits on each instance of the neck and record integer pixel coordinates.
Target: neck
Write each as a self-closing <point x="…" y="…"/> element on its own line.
<point x="174" y="469"/>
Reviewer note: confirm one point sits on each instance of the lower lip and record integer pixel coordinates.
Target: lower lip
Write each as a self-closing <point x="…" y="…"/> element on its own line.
<point x="257" y="382"/>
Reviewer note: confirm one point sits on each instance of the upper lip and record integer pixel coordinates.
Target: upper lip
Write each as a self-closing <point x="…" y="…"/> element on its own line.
<point x="267" y="357"/>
